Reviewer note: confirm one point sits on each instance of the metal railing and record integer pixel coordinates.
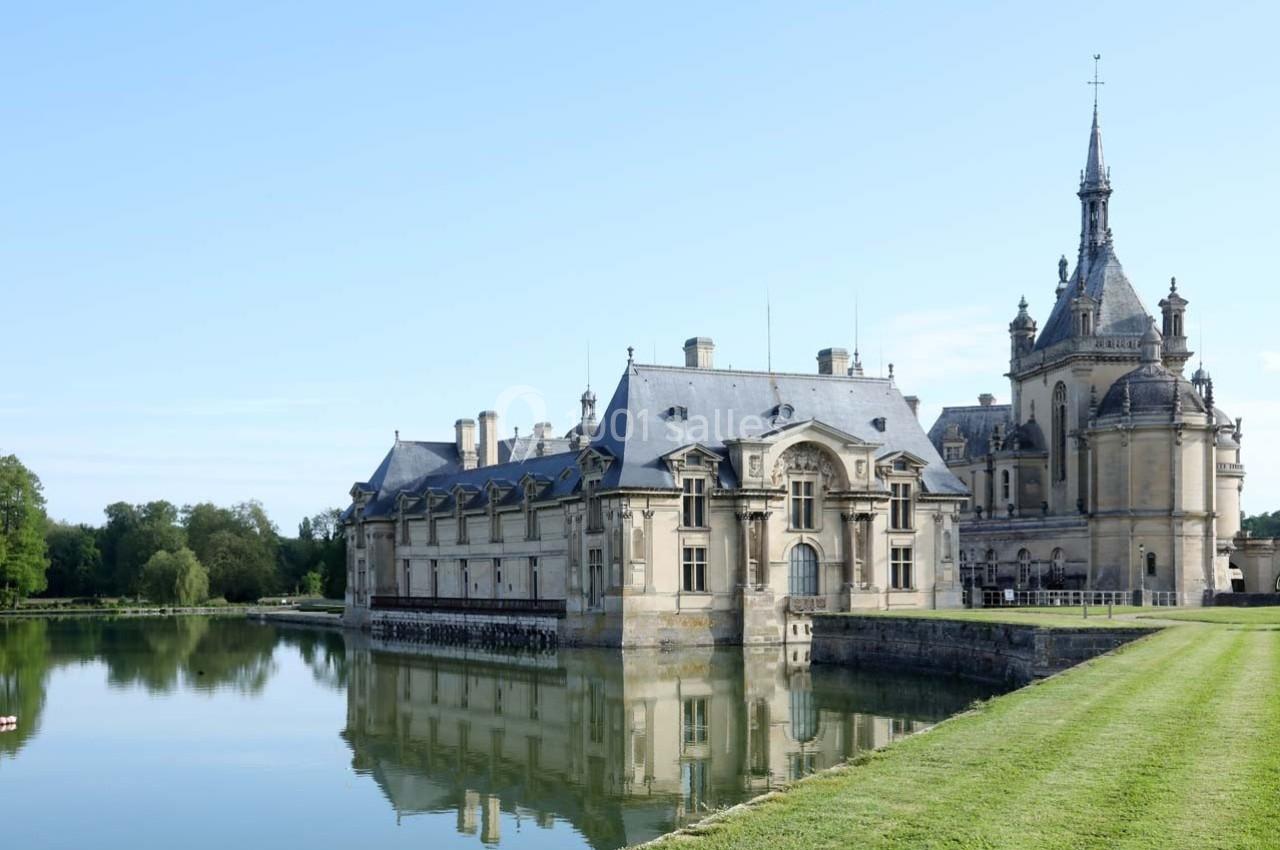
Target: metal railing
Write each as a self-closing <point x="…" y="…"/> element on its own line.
<point x="470" y="605"/>
<point x="1054" y="598"/>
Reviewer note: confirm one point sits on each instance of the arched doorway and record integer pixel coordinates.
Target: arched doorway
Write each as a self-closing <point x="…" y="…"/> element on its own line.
<point x="1237" y="580"/>
<point x="804" y="571"/>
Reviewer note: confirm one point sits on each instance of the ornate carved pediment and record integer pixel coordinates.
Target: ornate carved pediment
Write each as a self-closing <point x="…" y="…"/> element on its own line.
<point x="808" y="458"/>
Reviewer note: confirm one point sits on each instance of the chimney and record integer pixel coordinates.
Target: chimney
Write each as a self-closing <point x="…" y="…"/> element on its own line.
<point x="913" y="402"/>
<point x="465" y="437"/>
<point x="488" y="438"/>
<point x="986" y="399"/>
<point x="542" y="431"/>
<point x="833" y="361"/>
<point x="697" y="352"/>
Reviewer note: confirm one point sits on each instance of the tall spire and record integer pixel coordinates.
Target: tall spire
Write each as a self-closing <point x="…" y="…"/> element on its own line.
<point x="1095" y="184"/>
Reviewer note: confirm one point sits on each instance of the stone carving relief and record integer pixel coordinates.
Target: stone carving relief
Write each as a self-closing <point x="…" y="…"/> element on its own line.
<point x="806" y="457"/>
<point x="755" y="466"/>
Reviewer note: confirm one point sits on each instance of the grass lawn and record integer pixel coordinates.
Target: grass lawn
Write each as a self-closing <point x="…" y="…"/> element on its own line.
<point x="1044" y="617"/>
<point x="1239" y="616"/>
<point x="1171" y="742"/>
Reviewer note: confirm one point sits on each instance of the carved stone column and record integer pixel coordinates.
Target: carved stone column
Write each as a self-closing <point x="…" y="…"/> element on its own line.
<point x="627" y="554"/>
<point x="648" y="550"/>
<point x="849" y="539"/>
<point x="744" y="548"/>
<point x="762" y="566"/>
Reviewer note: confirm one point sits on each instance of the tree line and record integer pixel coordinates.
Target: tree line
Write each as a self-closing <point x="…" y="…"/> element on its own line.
<point x="161" y="552"/>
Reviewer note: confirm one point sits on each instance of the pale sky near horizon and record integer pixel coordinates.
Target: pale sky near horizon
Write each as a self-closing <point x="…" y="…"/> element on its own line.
<point x="245" y="242"/>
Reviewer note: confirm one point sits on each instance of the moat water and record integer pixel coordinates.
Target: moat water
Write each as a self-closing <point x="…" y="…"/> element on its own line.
<point x="217" y="732"/>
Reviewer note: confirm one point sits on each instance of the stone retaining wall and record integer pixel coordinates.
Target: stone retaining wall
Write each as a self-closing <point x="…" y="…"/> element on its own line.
<point x="1011" y="654"/>
<point x="1247" y="600"/>
<point x="458" y="627"/>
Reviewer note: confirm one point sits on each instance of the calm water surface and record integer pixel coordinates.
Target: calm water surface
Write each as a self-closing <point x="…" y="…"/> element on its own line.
<point x="218" y="732"/>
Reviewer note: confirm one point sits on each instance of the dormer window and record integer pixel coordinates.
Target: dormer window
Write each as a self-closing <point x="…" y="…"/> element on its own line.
<point x="694" y="502"/>
<point x="495" y="518"/>
<point x="433" y="526"/>
<point x="677" y="413"/>
<point x="900" y="465"/>
<point x="879" y="423"/>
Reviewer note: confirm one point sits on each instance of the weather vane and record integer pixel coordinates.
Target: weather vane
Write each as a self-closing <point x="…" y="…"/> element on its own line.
<point x="1095" y="82"/>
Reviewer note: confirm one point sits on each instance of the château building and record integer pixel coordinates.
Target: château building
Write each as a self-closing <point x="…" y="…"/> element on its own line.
<point x="1107" y="469"/>
<point x="705" y="506"/>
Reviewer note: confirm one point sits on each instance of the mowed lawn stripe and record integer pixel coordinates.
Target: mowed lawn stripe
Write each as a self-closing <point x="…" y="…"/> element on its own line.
<point x="1118" y="752"/>
<point x="1229" y="745"/>
<point x="1040" y="796"/>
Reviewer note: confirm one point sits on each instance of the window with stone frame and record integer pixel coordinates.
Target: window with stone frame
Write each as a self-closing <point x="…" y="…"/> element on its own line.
<point x="900" y="512"/>
<point x="901" y="572"/>
<point x="1024" y="567"/>
<point x="595" y="508"/>
<point x="533" y="577"/>
<point x="693" y="723"/>
<point x="803" y="504"/>
<point x="595" y="577"/>
<point x="1058" y="566"/>
<point x="992" y="567"/>
<point x="408" y="577"/>
<point x="1060" y="432"/>
<point x="694" y="569"/>
<point x="495" y="518"/>
<point x="497" y="578"/>
<point x="531" y="530"/>
<point x="462" y="523"/>
<point x="694" y="503"/>
<point x="464" y="574"/>
<point x="1004" y="485"/>
<point x="435" y="577"/>
<point x="404" y="528"/>
<point x="433" y="526"/>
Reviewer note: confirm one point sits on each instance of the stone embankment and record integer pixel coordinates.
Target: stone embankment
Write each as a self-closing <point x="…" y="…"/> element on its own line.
<point x="1010" y="653"/>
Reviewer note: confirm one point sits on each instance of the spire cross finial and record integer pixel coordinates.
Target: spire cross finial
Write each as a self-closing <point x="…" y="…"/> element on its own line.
<point x="1095" y="82"/>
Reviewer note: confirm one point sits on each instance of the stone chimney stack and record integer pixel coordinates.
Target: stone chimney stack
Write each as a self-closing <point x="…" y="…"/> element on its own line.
<point x="986" y="399"/>
<point x="913" y="402"/>
<point x="464" y="431"/>
<point x="698" y="351"/>
<point x="833" y="361"/>
<point x="488" y="438"/>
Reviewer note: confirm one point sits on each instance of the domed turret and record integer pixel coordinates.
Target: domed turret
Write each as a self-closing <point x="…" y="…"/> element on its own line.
<point x="1022" y="331"/>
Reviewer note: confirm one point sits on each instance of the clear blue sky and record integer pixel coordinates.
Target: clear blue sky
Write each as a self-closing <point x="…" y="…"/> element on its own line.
<point x="243" y="243"/>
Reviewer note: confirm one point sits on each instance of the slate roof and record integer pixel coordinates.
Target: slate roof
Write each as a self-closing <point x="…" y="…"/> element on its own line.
<point x="638" y="428"/>
<point x="1120" y="310"/>
<point x="976" y="424"/>
<point x="1151" y="390"/>
<point x="637" y="431"/>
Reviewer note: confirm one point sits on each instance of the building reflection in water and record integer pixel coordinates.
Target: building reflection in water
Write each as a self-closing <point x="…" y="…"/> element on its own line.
<point x="621" y="745"/>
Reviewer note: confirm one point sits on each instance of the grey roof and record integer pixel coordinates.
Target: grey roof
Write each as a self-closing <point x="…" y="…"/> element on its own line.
<point x="976" y="423"/>
<point x="1151" y="389"/>
<point x="638" y="427"/>
<point x="1120" y="310"/>
<point x="1095" y="170"/>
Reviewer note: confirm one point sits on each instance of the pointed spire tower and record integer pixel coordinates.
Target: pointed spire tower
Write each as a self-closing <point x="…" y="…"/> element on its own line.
<point x="1095" y="185"/>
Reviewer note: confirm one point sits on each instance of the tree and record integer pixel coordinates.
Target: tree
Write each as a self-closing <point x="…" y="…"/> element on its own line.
<point x="240" y="567"/>
<point x="75" y="563"/>
<point x="175" y="577"/>
<point x="23" y="560"/>
<point x="331" y="551"/>
<point x="313" y="584"/>
<point x="1263" y="525"/>
<point x="133" y="534"/>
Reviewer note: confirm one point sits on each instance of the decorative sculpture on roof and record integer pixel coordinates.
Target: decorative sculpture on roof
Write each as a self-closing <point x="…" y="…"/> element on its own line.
<point x="807" y="458"/>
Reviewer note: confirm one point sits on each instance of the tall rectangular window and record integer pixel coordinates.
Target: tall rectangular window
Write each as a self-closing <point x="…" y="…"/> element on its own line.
<point x="533" y="577"/>
<point x="462" y="527"/>
<point x="900" y="577"/>
<point x="694" y="722"/>
<point x="695" y="503"/>
<point x="495" y="525"/>
<point x="695" y="569"/>
<point x="802" y="513"/>
<point x="900" y="507"/>
<point x="435" y="577"/>
<point x="595" y="511"/>
<point x="497" y="578"/>
<point x="466" y="578"/>
<point x="530" y="521"/>
<point x="408" y="578"/>
<point x="433" y="534"/>
<point x="595" y="577"/>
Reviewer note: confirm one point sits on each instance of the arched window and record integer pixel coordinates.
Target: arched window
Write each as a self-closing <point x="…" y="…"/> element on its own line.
<point x="1024" y="567"/>
<point x="992" y="567"/>
<point x="1058" y="566"/>
<point x="1004" y="486"/>
<point x="1151" y="563"/>
<point x="804" y="570"/>
<point x="1060" y="432"/>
